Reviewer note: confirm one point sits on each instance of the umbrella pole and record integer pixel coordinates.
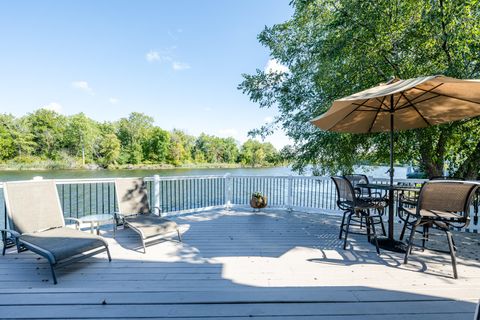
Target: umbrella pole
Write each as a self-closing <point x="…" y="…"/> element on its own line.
<point x="390" y="191"/>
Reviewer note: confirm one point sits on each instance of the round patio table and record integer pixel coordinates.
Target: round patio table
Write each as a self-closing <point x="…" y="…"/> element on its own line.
<point x="390" y="243"/>
<point x="96" y="220"/>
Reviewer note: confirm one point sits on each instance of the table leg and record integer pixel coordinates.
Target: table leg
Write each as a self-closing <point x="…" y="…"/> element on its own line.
<point x="98" y="228"/>
<point x="92" y="227"/>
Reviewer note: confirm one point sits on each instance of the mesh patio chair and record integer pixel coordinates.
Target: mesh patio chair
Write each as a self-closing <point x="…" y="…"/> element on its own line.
<point x="441" y="205"/>
<point x="37" y="224"/>
<point x="363" y="193"/>
<point x="356" y="208"/>
<point x="136" y="214"/>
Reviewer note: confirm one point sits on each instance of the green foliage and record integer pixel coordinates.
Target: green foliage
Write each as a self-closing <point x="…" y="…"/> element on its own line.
<point x="109" y="151"/>
<point x="335" y="48"/>
<point x="52" y="140"/>
<point x="255" y="153"/>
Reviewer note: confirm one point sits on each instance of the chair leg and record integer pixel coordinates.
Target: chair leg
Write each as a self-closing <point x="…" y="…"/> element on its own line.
<point x="4" y="241"/>
<point x="452" y="253"/>
<point x="361" y="222"/>
<point x="342" y="224"/>
<point x="143" y="244"/>
<point x="404" y="226"/>
<point x="368" y="225"/>
<point x="425" y="236"/>
<point x="346" y="230"/>
<point x="374" y="234"/>
<point x="108" y="254"/>
<point x="410" y="244"/>
<point x="383" y="226"/>
<point x="53" y="274"/>
<point x="179" y="236"/>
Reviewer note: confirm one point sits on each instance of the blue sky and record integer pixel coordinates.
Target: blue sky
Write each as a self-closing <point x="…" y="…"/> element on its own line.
<point x="177" y="61"/>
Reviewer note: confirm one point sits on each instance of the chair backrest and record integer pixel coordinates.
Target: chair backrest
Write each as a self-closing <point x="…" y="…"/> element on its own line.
<point x="132" y="196"/>
<point x="447" y="195"/>
<point x="33" y="206"/>
<point x="345" y="192"/>
<point x="356" y="179"/>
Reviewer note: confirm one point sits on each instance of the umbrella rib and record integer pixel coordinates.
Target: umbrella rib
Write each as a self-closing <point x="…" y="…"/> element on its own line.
<point x="449" y="96"/>
<point x="376" y="114"/>
<point x="424" y="93"/>
<point x="387" y="108"/>
<point x="365" y="106"/>
<point x="407" y="105"/>
<point x="416" y="109"/>
<point x="346" y="116"/>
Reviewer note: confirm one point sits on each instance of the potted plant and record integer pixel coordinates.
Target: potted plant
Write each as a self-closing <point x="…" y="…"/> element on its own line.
<point x="258" y="200"/>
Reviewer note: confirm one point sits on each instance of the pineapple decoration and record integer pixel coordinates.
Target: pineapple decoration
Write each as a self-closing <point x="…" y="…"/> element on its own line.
<point x="258" y="200"/>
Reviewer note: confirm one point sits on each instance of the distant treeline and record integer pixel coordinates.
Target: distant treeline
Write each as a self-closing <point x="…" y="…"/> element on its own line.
<point x="46" y="135"/>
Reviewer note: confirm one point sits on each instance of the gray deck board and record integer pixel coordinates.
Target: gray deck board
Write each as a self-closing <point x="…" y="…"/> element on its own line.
<point x="236" y="264"/>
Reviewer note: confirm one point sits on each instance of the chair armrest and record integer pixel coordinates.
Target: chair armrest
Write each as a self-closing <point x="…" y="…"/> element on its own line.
<point x="77" y="222"/>
<point x="159" y="210"/>
<point x="14" y="233"/>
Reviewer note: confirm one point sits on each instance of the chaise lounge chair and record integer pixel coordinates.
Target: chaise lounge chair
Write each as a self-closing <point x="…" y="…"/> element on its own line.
<point x="135" y="212"/>
<point x="37" y="224"/>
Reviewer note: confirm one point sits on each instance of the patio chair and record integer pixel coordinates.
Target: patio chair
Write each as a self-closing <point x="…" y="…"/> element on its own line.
<point x="136" y="214"/>
<point x="356" y="208"/>
<point x="363" y="193"/>
<point x="37" y="224"/>
<point x="441" y="205"/>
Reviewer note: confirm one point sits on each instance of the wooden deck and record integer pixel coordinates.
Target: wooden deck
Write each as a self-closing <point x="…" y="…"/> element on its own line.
<point x="237" y="264"/>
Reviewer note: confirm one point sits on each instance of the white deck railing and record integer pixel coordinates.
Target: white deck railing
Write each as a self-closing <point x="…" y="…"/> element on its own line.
<point x="183" y="194"/>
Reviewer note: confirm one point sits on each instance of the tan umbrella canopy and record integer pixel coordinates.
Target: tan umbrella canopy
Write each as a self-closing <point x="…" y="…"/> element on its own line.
<point x="417" y="103"/>
<point x="401" y="105"/>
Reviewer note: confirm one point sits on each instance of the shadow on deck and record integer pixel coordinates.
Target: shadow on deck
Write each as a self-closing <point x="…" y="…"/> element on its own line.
<point x="240" y="264"/>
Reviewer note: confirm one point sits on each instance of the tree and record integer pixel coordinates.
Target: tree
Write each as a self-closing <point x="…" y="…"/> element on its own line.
<point x="80" y="136"/>
<point x="180" y="148"/>
<point x="335" y="48"/>
<point x="109" y="150"/>
<point x="47" y="128"/>
<point x="7" y="142"/>
<point x="132" y="132"/>
<point x="254" y="153"/>
<point x="155" y="147"/>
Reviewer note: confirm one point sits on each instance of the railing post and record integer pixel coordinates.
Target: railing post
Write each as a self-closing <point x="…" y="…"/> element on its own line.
<point x="156" y="194"/>
<point x="289" y="193"/>
<point x="228" y="191"/>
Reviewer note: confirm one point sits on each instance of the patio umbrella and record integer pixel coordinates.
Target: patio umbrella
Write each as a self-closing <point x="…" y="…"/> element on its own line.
<point x="401" y="105"/>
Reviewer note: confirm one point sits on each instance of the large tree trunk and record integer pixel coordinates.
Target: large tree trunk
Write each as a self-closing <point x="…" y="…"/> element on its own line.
<point x="470" y="168"/>
<point x="432" y="149"/>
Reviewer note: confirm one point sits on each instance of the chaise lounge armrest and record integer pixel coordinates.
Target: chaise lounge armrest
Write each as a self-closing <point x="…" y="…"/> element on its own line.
<point x="77" y="222"/>
<point x="15" y="236"/>
<point x="14" y="233"/>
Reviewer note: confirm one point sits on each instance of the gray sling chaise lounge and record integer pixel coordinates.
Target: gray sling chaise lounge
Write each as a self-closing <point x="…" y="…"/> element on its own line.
<point x="37" y="223"/>
<point x="135" y="212"/>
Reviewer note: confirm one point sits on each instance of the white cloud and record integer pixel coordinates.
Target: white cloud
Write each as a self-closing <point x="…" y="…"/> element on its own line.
<point x="177" y="66"/>
<point x="159" y="56"/>
<point x="83" y="86"/>
<point x="268" y="119"/>
<point x="274" y="66"/>
<point x="113" y="100"/>
<point x="53" y="106"/>
<point x="152" y="56"/>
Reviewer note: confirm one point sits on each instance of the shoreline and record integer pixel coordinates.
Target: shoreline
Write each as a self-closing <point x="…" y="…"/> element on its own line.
<point x="56" y="166"/>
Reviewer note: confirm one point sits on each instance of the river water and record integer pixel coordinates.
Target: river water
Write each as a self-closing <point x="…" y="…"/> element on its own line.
<point x="15" y="175"/>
